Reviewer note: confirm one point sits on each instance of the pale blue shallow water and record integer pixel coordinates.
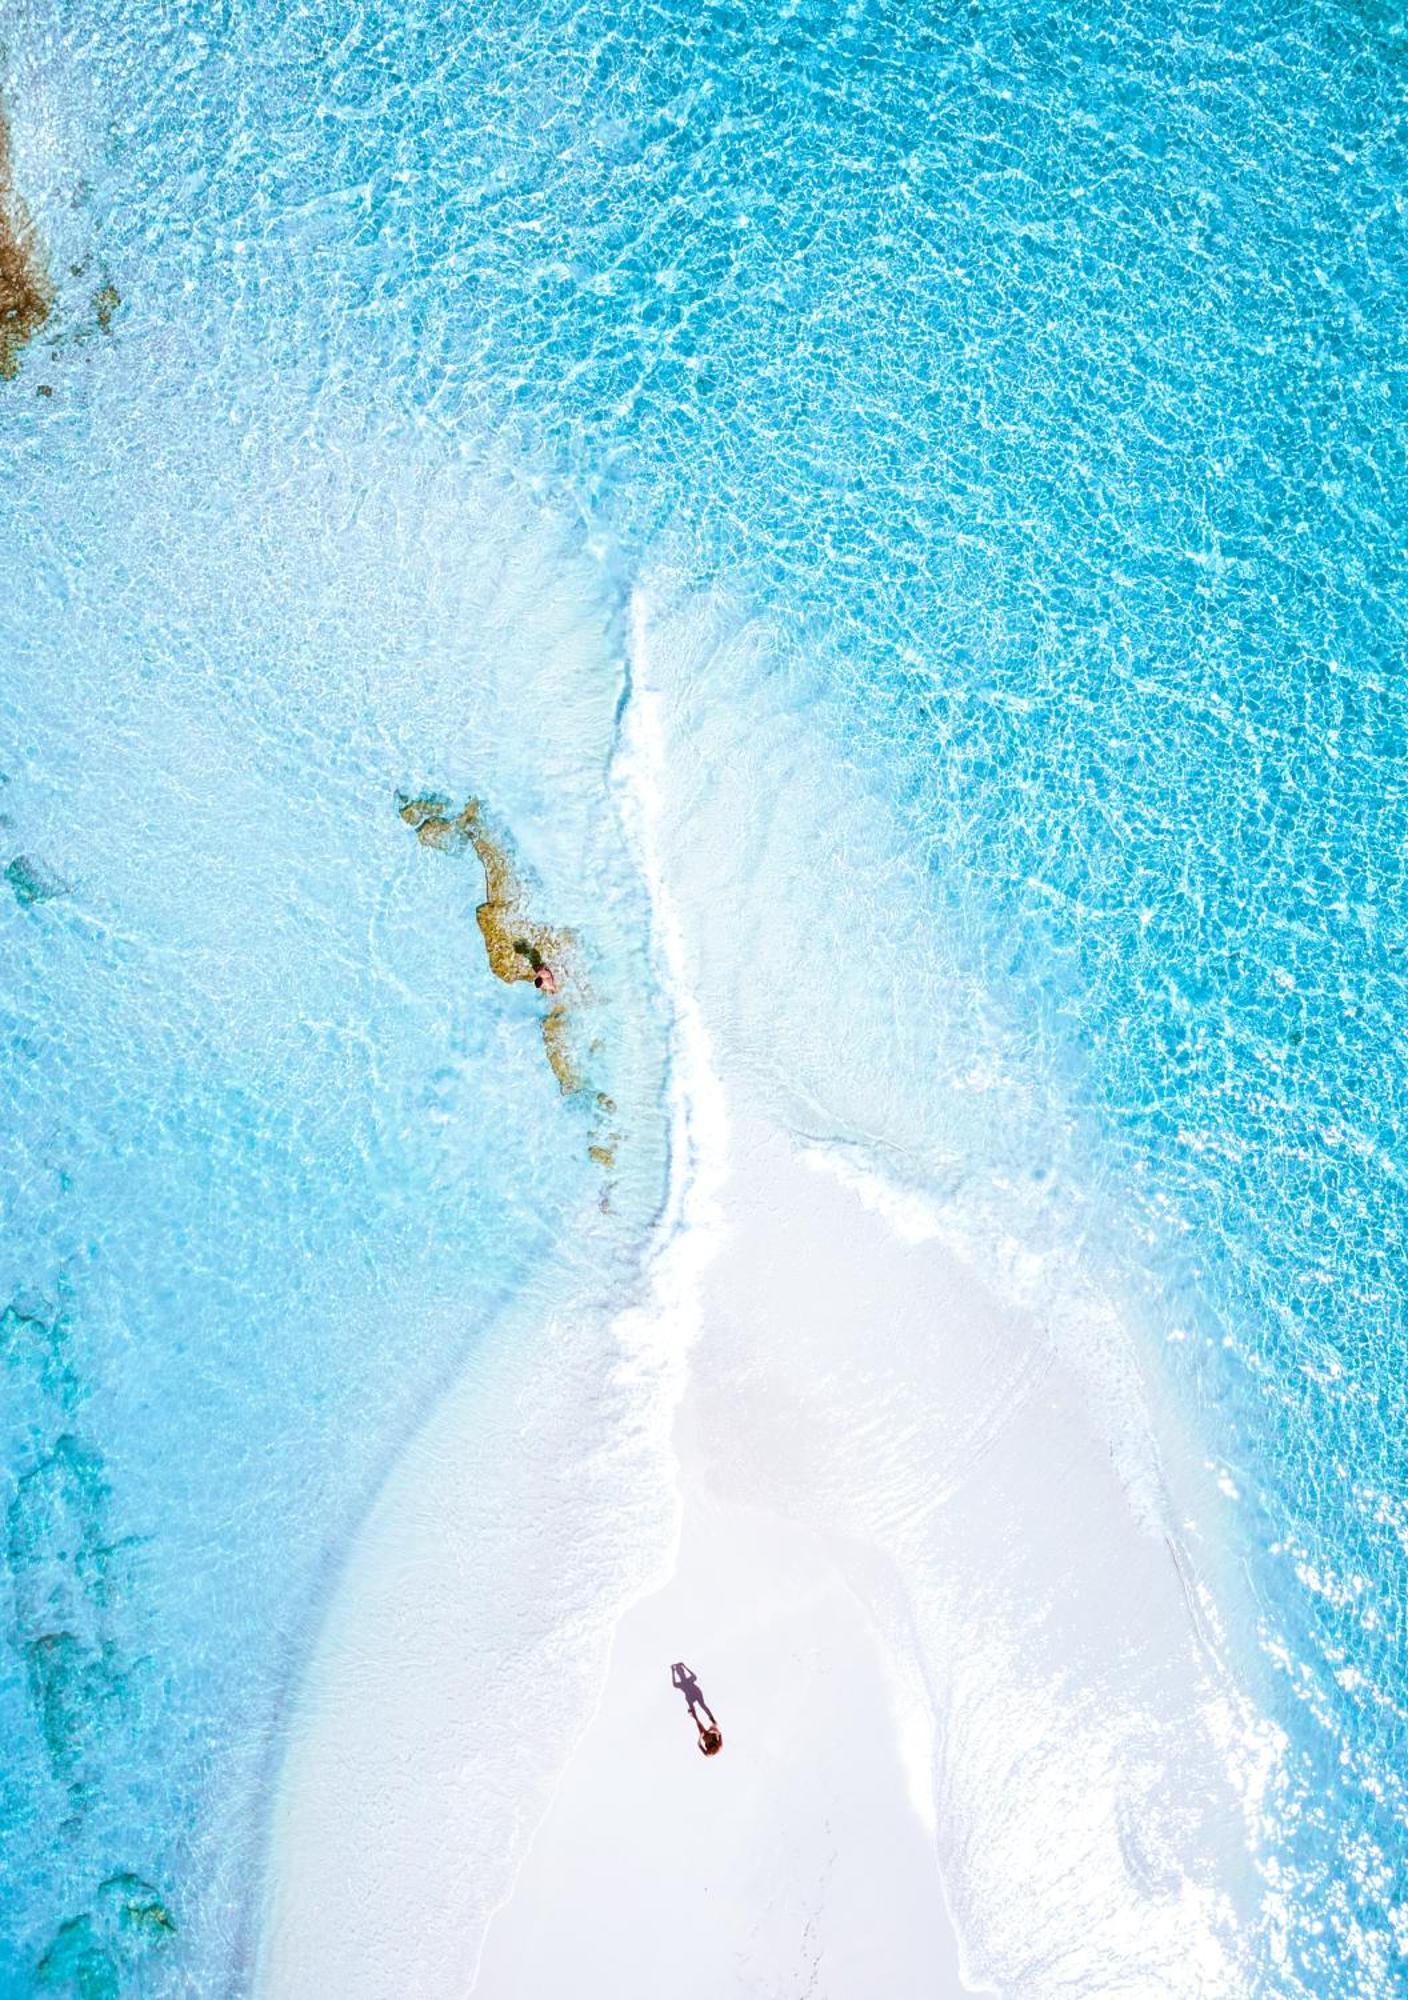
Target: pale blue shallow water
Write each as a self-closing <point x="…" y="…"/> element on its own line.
<point x="1046" y="374"/>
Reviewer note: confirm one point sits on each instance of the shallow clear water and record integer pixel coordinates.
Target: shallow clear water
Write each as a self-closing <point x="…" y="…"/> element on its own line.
<point x="1041" y="377"/>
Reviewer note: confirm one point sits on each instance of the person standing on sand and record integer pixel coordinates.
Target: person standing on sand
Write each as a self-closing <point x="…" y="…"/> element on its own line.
<point x="711" y="1737"/>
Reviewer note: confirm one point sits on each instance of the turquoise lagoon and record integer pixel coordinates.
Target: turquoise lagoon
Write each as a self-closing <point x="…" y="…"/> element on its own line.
<point x="1039" y="375"/>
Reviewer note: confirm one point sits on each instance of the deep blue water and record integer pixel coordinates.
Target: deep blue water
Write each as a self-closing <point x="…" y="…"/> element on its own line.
<point x="1046" y="371"/>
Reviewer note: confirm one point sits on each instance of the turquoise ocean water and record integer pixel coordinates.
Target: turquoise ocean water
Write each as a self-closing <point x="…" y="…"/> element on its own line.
<point x="1041" y="374"/>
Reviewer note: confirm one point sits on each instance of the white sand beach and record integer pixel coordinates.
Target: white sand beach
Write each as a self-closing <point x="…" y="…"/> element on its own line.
<point x="792" y="1863"/>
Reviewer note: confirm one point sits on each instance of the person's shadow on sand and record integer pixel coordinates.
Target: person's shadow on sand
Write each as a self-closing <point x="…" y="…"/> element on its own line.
<point x="711" y="1737"/>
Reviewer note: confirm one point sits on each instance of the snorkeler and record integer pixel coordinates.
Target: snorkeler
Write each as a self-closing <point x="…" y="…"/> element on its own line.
<point x="544" y="977"/>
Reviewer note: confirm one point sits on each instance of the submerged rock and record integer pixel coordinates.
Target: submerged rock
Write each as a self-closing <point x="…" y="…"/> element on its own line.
<point x="96" y="1955"/>
<point x="60" y="1554"/>
<point x="520" y="948"/>
<point x="557" y="1042"/>
<point x="66" y="1605"/>
<point x="34" y="1336"/>
<point x="32" y="883"/>
<point x="26" y="296"/>
<point x="72" y="1679"/>
<point x="517" y="947"/>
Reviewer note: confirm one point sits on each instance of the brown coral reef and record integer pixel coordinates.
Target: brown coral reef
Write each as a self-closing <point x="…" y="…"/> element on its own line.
<point x="516" y="945"/>
<point x="26" y="296"/>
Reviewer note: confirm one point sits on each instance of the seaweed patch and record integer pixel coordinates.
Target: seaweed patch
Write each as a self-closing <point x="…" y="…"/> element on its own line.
<point x="26" y="295"/>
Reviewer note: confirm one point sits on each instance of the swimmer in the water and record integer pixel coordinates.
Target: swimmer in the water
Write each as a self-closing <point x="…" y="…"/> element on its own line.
<point x="543" y="976"/>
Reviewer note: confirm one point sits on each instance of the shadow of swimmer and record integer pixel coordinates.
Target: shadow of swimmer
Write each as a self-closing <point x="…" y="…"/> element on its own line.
<point x="519" y="948"/>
